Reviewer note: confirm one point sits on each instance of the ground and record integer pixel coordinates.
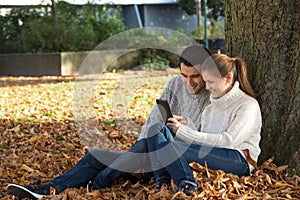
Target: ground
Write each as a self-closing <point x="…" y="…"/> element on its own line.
<point x="42" y="130"/>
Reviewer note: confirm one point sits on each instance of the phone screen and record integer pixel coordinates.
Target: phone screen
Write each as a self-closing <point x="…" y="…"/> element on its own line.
<point x="164" y="109"/>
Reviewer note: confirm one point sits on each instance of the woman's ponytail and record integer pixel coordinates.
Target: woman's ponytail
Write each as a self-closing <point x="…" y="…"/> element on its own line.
<point x="241" y="75"/>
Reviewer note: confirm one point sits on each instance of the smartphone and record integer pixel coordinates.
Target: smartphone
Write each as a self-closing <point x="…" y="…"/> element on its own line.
<point x="164" y="109"/>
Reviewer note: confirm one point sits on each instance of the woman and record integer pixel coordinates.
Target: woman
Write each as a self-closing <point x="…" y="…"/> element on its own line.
<point x="230" y="129"/>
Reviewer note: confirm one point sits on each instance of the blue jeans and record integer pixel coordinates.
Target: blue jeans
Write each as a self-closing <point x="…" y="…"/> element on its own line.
<point x="176" y="155"/>
<point x="157" y="134"/>
<point x="103" y="167"/>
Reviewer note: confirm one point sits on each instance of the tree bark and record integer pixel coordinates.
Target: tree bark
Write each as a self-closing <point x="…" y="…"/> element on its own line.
<point x="53" y="10"/>
<point x="199" y="13"/>
<point x="266" y="34"/>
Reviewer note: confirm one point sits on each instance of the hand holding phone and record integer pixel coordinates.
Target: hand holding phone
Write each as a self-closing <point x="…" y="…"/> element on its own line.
<point x="164" y="109"/>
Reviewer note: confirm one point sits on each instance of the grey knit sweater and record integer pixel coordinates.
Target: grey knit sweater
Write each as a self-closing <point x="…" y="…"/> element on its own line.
<point x="181" y="103"/>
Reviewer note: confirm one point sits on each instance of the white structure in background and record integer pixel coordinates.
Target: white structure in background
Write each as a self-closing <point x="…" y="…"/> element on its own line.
<point x="136" y="13"/>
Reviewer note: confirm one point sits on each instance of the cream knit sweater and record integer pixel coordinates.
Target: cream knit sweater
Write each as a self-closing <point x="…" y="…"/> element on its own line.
<point x="232" y="121"/>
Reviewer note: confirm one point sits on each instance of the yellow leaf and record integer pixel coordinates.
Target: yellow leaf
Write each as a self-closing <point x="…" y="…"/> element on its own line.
<point x="115" y="195"/>
<point x="268" y="179"/>
<point x="17" y="129"/>
<point x="288" y="196"/>
<point x="282" y="168"/>
<point x="34" y="138"/>
<point x="236" y="184"/>
<point x="38" y="137"/>
<point x="282" y="184"/>
<point x="26" y="168"/>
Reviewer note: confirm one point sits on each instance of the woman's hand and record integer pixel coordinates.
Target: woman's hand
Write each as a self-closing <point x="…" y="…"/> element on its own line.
<point x="181" y="119"/>
<point x="175" y="122"/>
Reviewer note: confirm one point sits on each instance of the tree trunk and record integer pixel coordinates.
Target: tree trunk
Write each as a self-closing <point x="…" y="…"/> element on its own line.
<point x="53" y="10"/>
<point x="199" y="13"/>
<point x="266" y="34"/>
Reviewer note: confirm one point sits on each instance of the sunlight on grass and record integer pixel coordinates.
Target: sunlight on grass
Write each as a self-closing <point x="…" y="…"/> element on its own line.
<point x="40" y="102"/>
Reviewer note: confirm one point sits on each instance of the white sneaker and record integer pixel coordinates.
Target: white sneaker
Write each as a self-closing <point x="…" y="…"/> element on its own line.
<point x="21" y="192"/>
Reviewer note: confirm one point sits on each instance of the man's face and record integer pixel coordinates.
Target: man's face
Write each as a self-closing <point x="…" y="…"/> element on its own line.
<point x="191" y="78"/>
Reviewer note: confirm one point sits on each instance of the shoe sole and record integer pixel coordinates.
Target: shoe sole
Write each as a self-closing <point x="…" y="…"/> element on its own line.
<point x="21" y="192"/>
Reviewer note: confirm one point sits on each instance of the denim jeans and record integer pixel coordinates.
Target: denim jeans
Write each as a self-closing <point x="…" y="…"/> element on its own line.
<point x="93" y="167"/>
<point x="135" y="159"/>
<point x="175" y="156"/>
<point x="157" y="134"/>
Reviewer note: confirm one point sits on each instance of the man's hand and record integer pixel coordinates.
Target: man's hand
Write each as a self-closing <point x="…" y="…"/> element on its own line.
<point x="175" y="122"/>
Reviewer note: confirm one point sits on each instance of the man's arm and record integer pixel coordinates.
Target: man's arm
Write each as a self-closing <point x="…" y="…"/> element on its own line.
<point x="154" y="116"/>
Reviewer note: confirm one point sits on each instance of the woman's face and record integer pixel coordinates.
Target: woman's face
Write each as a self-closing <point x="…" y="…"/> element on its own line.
<point x="218" y="86"/>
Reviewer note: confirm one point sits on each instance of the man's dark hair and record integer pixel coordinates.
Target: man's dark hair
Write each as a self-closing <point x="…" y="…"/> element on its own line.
<point x="194" y="55"/>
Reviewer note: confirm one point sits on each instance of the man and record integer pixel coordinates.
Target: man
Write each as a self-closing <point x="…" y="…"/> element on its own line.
<point x="187" y="97"/>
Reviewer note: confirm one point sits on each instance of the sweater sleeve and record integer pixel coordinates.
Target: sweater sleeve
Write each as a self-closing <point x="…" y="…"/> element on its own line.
<point x="245" y="122"/>
<point x="154" y="116"/>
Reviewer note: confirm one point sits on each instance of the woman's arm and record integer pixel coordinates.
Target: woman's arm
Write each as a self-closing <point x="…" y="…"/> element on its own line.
<point x="246" y="121"/>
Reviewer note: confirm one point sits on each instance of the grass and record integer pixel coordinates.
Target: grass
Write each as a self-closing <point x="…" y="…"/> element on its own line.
<point x="39" y="102"/>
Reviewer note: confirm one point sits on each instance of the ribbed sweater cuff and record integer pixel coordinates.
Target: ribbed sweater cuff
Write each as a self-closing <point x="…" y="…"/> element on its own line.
<point x="184" y="133"/>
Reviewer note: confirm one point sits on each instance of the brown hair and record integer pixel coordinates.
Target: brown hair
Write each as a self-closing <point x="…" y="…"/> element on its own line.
<point x="194" y="55"/>
<point x="221" y="64"/>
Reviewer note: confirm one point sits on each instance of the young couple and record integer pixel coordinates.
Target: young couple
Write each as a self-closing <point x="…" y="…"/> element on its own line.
<point x="220" y="128"/>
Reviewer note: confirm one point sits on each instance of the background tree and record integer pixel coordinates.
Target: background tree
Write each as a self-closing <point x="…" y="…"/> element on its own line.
<point x="31" y="28"/>
<point x="53" y="10"/>
<point x="267" y="35"/>
<point x="215" y="9"/>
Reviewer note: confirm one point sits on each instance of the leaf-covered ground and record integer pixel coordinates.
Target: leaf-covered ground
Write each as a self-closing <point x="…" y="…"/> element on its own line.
<point x="40" y="139"/>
